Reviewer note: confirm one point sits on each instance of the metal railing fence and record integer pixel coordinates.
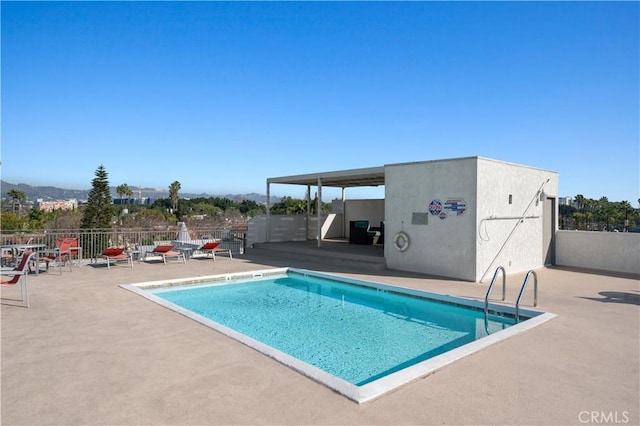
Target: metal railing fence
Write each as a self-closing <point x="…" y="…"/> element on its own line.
<point x="94" y="241"/>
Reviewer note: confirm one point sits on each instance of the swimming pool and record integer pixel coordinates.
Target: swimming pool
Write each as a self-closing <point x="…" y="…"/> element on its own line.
<point x="360" y="338"/>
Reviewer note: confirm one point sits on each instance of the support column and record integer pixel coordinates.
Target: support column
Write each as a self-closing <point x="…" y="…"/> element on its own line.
<point x="344" y="212"/>
<point x="267" y="231"/>
<point x="319" y="213"/>
<point x="308" y="212"/>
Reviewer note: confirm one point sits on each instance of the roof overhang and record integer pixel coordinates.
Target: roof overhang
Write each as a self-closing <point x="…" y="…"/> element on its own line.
<point x="372" y="176"/>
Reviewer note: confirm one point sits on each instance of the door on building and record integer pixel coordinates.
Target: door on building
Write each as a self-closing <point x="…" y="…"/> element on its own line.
<point x="549" y="231"/>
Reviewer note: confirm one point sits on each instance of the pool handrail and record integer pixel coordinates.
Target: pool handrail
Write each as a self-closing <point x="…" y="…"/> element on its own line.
<point x="524" y="285"/>
<point x="493" y="280"/>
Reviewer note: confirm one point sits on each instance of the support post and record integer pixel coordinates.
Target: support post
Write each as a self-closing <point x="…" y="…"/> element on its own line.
<point x="344" y="212"/>
<point x="308" y="212"/>
<point x="268" y="230"/>
<point x="319" y="212"/>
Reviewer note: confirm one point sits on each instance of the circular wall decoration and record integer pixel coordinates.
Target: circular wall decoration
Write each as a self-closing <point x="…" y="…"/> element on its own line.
<point x="435" y="207"/>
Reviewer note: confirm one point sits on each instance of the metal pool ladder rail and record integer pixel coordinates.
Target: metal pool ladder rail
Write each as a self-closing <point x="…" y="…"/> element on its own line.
<point x="493" y="280"/>
<point x="524" y="285"/>
<point x="504" y="280"/>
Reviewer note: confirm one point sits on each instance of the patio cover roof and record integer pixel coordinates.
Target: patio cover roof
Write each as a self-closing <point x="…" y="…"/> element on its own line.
<point x="372" y="176"/>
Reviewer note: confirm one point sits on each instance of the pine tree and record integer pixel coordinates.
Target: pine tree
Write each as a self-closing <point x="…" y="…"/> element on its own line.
<point x="98" y="212"/>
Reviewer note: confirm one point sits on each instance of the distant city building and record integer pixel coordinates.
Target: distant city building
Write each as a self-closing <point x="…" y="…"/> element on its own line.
<point x="565" y="201"/>
<point x="144" y="201"/>
<point x="50" y="206"/>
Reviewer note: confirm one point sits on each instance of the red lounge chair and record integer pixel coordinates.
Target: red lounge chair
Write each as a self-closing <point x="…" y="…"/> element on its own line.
<point x="114" y="254"/>
<point x="213" y="248"/>
<point x="18" y="273"/>
<point x="166" y="251"/>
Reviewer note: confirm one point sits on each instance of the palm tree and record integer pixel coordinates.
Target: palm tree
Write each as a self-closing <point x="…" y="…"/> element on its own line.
<point x="580" y="202"/>
<point x="174" y="188"/>
<point x="626" y="207"/>
<point x="129" y="193"/>
<point x="591" y="208"/>
<point x="124" y="191"/>
<point x="602" y="212"/>
<point x="120" y="190"/>
<point x="17" y="197"/>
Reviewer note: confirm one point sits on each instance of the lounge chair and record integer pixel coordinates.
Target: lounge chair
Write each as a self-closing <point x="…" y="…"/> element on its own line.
<point x="115" y="254"/>
<point x="61" y="254"/>
<point x="19" y="275"/>
<point x="212" y="247"/>
<point x="166" y="251"/>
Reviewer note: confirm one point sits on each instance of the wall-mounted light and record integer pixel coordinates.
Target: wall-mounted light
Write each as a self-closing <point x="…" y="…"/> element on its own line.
<point x="543" y="196"/>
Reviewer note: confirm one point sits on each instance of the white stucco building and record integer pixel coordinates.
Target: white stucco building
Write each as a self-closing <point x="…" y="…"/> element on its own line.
<point x="480" y="214"/>
<point x="458" y="218"/>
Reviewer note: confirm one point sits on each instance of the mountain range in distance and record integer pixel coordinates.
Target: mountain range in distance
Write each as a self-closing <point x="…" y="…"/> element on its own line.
<point x="51" y="193"/>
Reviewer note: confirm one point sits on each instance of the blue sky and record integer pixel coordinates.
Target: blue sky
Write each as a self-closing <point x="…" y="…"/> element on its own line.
<point x="221" y="96"/>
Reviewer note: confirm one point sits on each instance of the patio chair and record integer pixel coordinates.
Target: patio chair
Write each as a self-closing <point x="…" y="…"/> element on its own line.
<point x="19" y="275"/>
<point x="115" y="254"/>
<point x="61" y="254"/>
<point x="166" y="251"/>
<point x="212" y="247"/>
<point x="7" y="257"/>
<point x="75" y="250"/>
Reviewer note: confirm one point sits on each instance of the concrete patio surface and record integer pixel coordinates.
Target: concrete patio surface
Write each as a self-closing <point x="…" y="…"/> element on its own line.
<point x="88" y="352"/>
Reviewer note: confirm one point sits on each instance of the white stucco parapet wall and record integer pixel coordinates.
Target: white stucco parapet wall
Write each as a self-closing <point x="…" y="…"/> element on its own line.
<point x="606" y="251"/>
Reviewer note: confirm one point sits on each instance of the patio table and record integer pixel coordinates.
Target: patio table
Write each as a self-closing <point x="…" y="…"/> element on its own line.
<point x="37" y="248"/>
<point x="186" y="251"/>
<point x="135" y="255"/>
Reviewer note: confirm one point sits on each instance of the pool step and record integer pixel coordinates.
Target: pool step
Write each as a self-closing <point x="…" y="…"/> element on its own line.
<point x="353" y="256"/>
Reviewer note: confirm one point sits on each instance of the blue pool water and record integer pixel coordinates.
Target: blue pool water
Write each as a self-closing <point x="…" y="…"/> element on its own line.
<point x="353" y="332"/>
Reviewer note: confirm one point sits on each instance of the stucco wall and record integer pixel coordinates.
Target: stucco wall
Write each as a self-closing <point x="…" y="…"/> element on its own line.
<point x="331" y="227"/>
<point x="496" y="217"/>
<point x="607" y="251"/>
<point x="257" y="230"/>
<point x="444" y="246"/>
<point x="282" y="228"/>
<point x="292" y="228"/>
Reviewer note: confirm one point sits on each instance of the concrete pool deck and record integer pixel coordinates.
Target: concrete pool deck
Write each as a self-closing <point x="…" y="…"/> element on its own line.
<point x="89" y="352"/>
